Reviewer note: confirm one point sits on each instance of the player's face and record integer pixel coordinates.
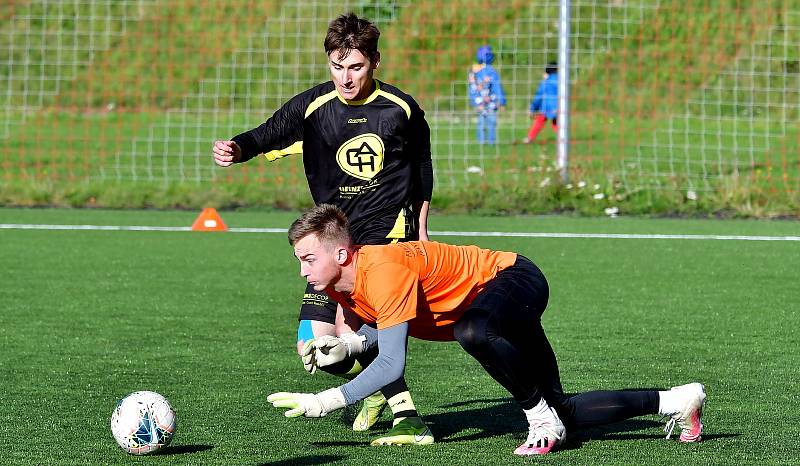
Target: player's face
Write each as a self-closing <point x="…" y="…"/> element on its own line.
<point x="318" y="263"/>
<point x="352" y="74"/>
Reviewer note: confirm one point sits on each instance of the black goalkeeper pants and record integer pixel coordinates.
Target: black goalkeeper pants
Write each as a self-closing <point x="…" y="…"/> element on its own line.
<point x="502" y="329"/>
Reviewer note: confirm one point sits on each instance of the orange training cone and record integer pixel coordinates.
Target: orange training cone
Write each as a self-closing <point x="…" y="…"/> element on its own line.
<point x="209" y="220"/>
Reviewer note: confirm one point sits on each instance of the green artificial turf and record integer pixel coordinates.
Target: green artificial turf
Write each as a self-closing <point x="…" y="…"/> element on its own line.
<point x="209" y="321"/>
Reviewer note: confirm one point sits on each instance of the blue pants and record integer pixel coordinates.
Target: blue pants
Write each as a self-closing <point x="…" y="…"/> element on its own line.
<point x="487" y="128"/>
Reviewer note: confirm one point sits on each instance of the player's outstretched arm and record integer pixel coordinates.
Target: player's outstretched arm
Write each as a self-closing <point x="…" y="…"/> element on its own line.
<point x="308" y="404"/>
<point x="226" y="153"/>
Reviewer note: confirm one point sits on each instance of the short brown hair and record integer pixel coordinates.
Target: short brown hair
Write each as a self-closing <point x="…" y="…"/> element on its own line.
<point x="349" y="32"/>
<point x="327" y="221"/>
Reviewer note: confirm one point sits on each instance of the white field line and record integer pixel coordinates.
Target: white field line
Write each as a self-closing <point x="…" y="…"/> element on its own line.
<point x="516" y="234"/>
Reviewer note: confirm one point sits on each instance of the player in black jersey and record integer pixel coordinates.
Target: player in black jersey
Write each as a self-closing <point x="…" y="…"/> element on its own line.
<point x="366" y="149"/>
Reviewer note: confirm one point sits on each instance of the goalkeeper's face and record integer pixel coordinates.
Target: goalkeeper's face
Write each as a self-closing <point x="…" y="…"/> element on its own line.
<point x="352" y="74"/>
<point x="320" y="264"/>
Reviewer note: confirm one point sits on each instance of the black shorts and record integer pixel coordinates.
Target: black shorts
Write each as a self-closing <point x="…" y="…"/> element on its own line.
<point x="519" y="287"/>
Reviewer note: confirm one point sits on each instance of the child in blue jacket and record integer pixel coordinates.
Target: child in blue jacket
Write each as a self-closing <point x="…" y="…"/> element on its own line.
<point x="486" y="95"/>
<point x="544" y="105"/>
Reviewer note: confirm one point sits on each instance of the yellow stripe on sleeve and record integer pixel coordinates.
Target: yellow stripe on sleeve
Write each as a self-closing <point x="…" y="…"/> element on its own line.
<point x="296" y="148"/>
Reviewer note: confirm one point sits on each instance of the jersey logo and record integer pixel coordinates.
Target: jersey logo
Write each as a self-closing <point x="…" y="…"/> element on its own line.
<point x="362" y="156"/>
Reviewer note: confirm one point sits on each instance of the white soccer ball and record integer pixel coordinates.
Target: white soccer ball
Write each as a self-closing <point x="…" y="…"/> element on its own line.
<point x="143" y="422"/>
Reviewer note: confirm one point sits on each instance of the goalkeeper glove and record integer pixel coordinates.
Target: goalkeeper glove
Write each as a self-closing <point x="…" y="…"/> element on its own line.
<point x="308" y="404"/>
<point x="307" y="355"/>
<point x="327" y="350"/>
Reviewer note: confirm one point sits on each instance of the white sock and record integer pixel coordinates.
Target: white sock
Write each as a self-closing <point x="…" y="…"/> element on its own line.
<point x="669" y="402"/>
<point x="538" y="412"/>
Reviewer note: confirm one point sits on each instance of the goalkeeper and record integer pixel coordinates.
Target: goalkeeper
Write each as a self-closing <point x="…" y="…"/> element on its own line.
<point x="490" y="302"/>
<point x="366" y="148"/>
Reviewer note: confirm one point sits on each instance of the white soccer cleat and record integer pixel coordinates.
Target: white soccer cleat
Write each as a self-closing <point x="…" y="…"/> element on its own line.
<point x="543" y="436"/>
<point x="689" y="418"/>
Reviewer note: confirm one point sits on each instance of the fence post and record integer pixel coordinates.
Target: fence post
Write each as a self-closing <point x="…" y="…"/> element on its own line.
<point x="563" y="91"/>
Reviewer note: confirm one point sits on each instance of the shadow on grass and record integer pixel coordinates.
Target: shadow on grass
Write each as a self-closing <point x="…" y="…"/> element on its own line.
<point x="342" y="443"/>
<point x="501" y="418"/>
<point x="182" y="449"/>
<point x="504" y="417"/>
<point x="305" y="460"/>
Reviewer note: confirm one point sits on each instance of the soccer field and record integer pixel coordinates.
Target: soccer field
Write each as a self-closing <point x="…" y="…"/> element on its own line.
<point x="209" y="321"/>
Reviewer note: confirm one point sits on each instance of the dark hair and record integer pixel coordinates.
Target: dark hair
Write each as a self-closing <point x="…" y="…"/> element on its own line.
<point x="349" y="32"/>
<point x="551" y="68"/>
<point x="327" y="221"/>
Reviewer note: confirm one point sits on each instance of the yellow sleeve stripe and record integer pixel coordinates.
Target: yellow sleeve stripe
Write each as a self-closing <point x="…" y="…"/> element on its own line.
<point x="320" y="101"/>
<point x="296" y="148"/>
<point x="402" y="103"/>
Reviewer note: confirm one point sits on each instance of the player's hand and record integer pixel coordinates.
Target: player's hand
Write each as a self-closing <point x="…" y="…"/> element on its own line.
<point x="307" y="354"/>
<point x="327" y="350"/>
<point x="308" y="404"/>
<point x="299" y="404"/>
<point x="226" y="153"/>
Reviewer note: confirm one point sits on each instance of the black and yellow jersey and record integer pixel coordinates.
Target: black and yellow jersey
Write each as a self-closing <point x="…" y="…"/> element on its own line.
<point x="372" y="157"/>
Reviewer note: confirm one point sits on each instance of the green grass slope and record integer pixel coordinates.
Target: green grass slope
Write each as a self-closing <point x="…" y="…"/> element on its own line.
<point x="666" y="97"/>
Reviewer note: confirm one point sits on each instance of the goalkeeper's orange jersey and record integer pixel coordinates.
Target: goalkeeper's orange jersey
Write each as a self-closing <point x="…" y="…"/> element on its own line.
<point x="427" y="284"/>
